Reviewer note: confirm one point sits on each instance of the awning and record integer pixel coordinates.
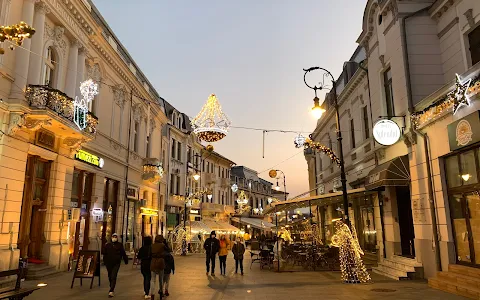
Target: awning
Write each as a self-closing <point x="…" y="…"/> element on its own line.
<point x="220" y="226"/>
<point x="314" y="200"/>
<point x="255" y="223"/>
<point x="392" y="173"/>
<point x="197" y="227"/>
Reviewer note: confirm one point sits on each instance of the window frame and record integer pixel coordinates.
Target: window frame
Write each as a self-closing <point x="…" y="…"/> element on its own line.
<point x="475" y="45"/>
<point x="388" y="91"/>
<point x="366" y="122"/>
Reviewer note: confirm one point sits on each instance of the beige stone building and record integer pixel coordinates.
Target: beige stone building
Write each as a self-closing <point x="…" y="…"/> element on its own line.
<point x="424" y="212"/>
<point x="69" y="176"/>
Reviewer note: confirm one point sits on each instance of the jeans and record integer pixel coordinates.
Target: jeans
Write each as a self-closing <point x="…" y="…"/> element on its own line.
<point x="211" y="258"/>
<point x="223" y="264"/>
<point x="166" y="281"/>
<point x="154" y="282"/>
<point x="239" y="262"/>
<point x="147" y="276"/>
<point x="112" y="275"/>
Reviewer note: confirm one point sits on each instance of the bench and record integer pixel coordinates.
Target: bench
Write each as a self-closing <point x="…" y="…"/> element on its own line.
<point x="16" y="292"/>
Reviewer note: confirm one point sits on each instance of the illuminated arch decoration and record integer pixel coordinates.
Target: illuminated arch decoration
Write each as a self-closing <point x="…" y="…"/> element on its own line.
<point x="211" y="124"/>
<point x="308" y="143"/>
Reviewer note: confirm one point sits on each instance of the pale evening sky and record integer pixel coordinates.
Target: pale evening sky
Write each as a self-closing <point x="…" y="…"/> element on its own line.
<point x="250" y="54"/>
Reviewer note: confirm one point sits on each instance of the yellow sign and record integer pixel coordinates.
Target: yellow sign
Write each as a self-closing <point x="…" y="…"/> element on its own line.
<point x="89" y="158"/>
<point x="149" y="211"/>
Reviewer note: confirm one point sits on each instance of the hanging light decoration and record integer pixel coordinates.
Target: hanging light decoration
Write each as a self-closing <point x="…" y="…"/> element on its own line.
<point x="211" y="124"/>
<point x="15" y="33"/>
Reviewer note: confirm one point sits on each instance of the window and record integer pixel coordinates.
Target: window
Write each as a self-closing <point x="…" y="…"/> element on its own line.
<point x="172" y="184"/>
<point x="49" y="72"/>
<point x="474" y="41"/>
<point x="179" y="151"/>
<point x="135" y="136"/>
<point x="366" y="127"/>
<point x="218" y="171"/>
<point x="189" y="154"/>
<point x="352" y="133"/>
<point x="178" y="185"/>
<point x="147" y="141"/>
<point x="173" y="148"/>
<point x="387" y="83"/>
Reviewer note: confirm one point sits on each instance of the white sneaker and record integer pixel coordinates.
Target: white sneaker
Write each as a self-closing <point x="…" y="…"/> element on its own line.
<point x="148" y="297"/>
<point x="110" y="295"/>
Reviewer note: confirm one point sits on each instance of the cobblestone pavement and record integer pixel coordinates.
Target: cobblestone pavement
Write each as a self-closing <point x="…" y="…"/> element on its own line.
<point x="190" y="282"/>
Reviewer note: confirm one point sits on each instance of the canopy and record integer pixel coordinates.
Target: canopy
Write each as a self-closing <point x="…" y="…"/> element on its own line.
<point x="314" y="200"/>
<point x="256" y="223"/>
<point x="220" y="226"/>
<point x="197" y="226"/>
<point x="392" y="173"/>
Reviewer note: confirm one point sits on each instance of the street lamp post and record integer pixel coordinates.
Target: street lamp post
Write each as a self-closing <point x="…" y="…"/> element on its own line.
<point x="317" y="110"/>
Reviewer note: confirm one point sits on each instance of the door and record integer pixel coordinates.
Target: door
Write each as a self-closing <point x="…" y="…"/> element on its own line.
<point x="81" y="198"/>
<point x="405" y="221"/>
<point x="109" y="208"/>
<point x="368" y="229"/>
<point x="465" y="213"/>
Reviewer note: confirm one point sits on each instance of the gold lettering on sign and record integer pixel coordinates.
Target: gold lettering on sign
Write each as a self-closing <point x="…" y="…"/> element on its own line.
<point x="46" y="139"/>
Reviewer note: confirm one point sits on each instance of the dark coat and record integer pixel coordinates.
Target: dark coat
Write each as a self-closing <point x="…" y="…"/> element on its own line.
<point x="238" y="250"/>
<point x="169" y="263"/>
<point x="113" y="254"/>
<point x="145" y="255"/>
<point x="158" y="253"/>
<point x="211" y="246"/>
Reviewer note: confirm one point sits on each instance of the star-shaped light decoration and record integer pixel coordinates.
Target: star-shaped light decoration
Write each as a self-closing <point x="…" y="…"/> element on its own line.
<point x="299" y="141"/>
<point x="460" y="93"/>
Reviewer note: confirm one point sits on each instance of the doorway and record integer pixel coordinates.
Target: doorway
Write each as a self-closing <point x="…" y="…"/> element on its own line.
<point x="31" y="235"/>
<point x="110" y="210"/>
<point x="405" y="221"/>
<point x="82" y="185"/>
<point x="465" y="213"/>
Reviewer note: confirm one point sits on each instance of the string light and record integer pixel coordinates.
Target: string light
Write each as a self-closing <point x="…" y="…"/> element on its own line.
<point x="450" y="102"/>
<point x="351" y="264"/>
<point x="211" y="124"/>
<point x="153" y="172"/>
<point x="318" y="146"/>
<point x="15" y="33"/>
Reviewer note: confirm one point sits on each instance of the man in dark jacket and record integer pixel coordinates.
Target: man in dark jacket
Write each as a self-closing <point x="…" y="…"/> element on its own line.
<point x="145" y="255"/>
<point x="158" y="264"/>
<point x="112" y="257"/>
<point x="169" y="269"/>
<point x="211" y="246"/>
<point x="238" y="250"/>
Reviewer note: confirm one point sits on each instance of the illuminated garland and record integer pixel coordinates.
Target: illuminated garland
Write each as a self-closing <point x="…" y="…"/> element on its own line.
<point x="450" y="102"/>
<point x="351" y="264"/>
<point x="211" y="124"/>
<point x="192" y="197"/>
<point x="15" y="33"/>
<point x="318" y="146"/>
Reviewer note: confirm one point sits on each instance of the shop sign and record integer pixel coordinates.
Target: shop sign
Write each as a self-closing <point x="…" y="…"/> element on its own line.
<point x="194" y="211"/>
<point x="386" y="132"/>
<point x="464" y="132"/>
<point x="149" y="211"/>
<point x="75" y="205"/>
<point x="45" y="139"/>
<point x="89" y="158"/>
<point x="132" y="193"/>
<point x="97" y="214"/>
<point x="373" y="178"/>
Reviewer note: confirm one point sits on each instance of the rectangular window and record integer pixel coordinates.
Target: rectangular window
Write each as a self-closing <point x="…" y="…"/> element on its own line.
<point x="148" y="145"/>
<point x="172" y="184"/>
<point x="189" y="154"/>
<point x="387" y="84"/>
<point x="366" y="127"/>
<point x="174" y="153"/>
<point x="136" y="128"/>
<point x="474" y="41"/>
<point x="179" y="151"/>
<point x="177" y="190"/>
<point x="352" y="133"/>
<point x="218" y="171"/>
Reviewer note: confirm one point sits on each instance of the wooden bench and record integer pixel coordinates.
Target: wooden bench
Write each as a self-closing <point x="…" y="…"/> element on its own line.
<point x="15" y="292"/>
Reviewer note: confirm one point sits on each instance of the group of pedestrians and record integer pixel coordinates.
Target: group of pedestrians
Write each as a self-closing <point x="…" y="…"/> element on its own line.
<point x="222" y="246"/>
<point x="157" y="265"/>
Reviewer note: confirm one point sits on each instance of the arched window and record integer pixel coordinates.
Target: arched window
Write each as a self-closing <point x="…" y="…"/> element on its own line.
<point x="49" y="73"/>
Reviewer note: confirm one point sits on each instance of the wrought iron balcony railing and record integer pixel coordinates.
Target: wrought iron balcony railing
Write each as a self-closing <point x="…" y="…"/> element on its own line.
<point x="45" y="97"/>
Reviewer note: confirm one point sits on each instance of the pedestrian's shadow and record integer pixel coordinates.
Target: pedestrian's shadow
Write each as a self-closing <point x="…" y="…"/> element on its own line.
<point x="217" y="283"/>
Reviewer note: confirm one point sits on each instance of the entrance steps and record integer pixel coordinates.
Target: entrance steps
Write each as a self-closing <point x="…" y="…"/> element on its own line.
<point x="400" y="268"/>
<point x="41" y="271"/>
<point x="370" y="260"/>
<point x="459" y="280"/>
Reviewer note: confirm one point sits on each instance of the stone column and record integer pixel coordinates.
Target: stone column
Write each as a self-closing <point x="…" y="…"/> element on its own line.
<point x="35" y="69"/>
<point x="22" y="56"/>
<point x="80" y="69"/>
<point x="71" y="82"/>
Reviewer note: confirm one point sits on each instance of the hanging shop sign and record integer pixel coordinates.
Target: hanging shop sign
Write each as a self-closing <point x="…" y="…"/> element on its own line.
<point x="194" y="211"/>
<point x="464" y="132"/>
<point x="132" y="193"/>
<point x="90" y="158"/>
<point x="145" y="211"/>
<point x="386" y="132"/>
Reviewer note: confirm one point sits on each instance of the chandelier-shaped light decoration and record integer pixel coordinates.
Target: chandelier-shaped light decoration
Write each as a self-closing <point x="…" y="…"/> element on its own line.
<point x="211" y="124"/>
<point x="16" y="34"/>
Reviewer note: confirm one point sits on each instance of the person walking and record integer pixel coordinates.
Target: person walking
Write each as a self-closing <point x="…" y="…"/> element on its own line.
<point x="168" y="271"/>
<point x="238" y="251"/>
<point x="113" y="254"/>
<point x="211" y="247"/>
<point x="223" y="252"/>
<point x="145" y="255"/>
<point x="157" y="265"/>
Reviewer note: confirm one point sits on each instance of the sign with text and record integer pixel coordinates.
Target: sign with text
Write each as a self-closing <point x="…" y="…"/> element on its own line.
<point x="464" y="132"/>
<point x="88" y="266"/>
<point x="46" y="139"/>
<point x="89" y="158"/>
<point x="386" y="132"/>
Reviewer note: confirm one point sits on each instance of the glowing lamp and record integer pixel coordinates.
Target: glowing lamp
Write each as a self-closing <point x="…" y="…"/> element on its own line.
<point x="317" y="110"/>
<point x="466" y="177"/>
<point x="196" y="176"/>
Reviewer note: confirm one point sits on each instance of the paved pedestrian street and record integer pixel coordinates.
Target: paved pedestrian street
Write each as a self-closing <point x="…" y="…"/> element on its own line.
<point x="190" y="282"/>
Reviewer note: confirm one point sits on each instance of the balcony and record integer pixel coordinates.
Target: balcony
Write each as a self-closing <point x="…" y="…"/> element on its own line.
<point x="55" y="104"/>
<point x="225" y="182"/>
<point x="210" y="178"/>
<point x="152" y="170"/>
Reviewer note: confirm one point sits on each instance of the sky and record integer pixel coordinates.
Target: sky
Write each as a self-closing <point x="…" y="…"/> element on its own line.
<point x="251" y="54"/>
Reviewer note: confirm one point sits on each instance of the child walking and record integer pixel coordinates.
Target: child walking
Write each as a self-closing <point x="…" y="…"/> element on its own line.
<point x="169" y="269"/>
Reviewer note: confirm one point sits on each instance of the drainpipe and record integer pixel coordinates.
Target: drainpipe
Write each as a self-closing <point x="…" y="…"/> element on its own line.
<point x="406" y="61"/>
<point x="124" y="230"/>
<point x="431" y="196"/>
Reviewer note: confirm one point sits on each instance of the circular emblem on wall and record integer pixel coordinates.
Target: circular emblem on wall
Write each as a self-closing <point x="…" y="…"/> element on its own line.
<point x="463" y="133"/>
<point x="386" y="132"/>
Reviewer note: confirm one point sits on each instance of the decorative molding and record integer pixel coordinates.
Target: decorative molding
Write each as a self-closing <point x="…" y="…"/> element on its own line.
<point x="153" y="125"/>
<point x="74" y="144"/>
<point x="441" y="9"/>
<point x="94" y="73"/>
<point x="382" y="60"/>
<point x="119" y="93"/>
<point x="44" y="153"/>
<point x="56" y="35"/>
<point x="470" y="19"/>
<point x="138" y="112"/>
<point x="42" y="8"/>
<point x="35" y="124"/>
<point x="410" y="138"/>
<point x="448" y="27"/>
<point x="17" y="120"/>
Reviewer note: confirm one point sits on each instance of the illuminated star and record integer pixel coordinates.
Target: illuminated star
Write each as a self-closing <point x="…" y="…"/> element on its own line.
<point x="460" y="93"/>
